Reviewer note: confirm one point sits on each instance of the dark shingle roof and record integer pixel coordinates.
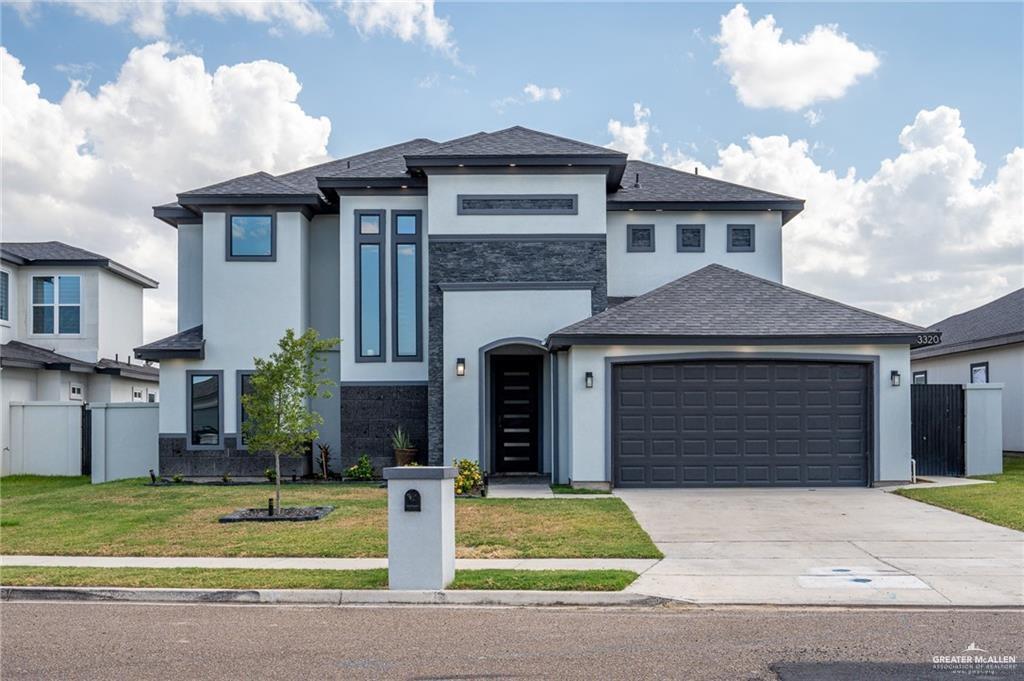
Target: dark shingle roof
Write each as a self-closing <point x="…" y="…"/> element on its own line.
<point x="46" y="253"/>
<point x="129" y="370"/>
<point x="18" y="354"/>
<point x="187" y="344"/>
<point x="717" y="301"/>
<point x="254" y="183"/>
<point x="658" y="183"/>
<point x="519" y="141"/>
<point x="305" y="178"/>
<point x="999" y="322"/>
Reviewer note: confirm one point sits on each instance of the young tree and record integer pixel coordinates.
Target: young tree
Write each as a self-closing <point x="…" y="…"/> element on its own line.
<point x="277" y="414"/>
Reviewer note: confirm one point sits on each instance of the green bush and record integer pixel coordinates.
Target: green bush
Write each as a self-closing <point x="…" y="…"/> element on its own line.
<point x="470" y="479"/>
<point x="270" y="474"/>
<point x="362" y="470"/>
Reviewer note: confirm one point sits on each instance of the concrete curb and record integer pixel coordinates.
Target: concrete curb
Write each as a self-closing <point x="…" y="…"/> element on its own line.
<point x="329" y="596"/>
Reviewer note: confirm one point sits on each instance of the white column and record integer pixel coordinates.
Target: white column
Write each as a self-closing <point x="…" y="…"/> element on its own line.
<point x="421" y="527"/>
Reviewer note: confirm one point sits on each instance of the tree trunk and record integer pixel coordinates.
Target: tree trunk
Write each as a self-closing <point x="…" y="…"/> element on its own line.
<point x="277" y="482"/>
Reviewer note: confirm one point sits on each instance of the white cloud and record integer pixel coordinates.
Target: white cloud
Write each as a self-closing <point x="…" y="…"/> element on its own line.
<point x="535" y="93"/>
<point x="87" y="169"/>
<point x="920" y="239"/>
<point x="768" y="72"/>
<point x="408" y="20"/>
<point x="813" y="117"/>
<point x="300" y="15"/>
<point x="632" y="139"/>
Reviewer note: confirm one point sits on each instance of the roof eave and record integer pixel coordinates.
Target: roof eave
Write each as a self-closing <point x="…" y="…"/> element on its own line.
<point x="614" y="163"/>
<point x="176" y="215"/>
<point x="128" y="372"/>
<point x="789" y="208"/>
<point x="250" y="199"/>
<point x="939" y="350"/>
<point x="559" y="341"/>
<point x="156" y="355"/>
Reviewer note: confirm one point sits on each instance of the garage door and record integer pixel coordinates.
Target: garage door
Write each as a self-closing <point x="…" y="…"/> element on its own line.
<point x="734" y="423"/>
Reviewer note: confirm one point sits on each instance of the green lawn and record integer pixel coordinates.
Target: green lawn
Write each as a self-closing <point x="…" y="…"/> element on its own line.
<point x="68" y="516"/>
<point x="231" y="578"/>
<point x="1001" y="503"/>
<point x="569" y="489"/>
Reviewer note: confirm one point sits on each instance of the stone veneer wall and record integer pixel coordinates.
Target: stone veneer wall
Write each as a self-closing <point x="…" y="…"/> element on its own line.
<point x="515" y="259"/>
<point x="370" y="414"/>
<point x="175" y="459"/>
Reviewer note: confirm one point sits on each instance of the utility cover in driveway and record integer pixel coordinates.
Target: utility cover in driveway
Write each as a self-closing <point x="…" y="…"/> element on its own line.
<point x="735" y="423"/>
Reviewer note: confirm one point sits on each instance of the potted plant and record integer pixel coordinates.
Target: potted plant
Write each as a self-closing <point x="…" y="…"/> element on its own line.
<point x="405" y="453"/>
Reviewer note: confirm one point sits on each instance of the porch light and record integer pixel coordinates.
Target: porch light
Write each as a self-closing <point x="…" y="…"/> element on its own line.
<point x="588" y="379"/>
<point x="894" y="378"/>
<point x="460" y="366"/>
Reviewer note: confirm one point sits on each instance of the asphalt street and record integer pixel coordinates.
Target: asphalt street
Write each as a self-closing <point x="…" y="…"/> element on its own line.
<point x="137" y="641"/>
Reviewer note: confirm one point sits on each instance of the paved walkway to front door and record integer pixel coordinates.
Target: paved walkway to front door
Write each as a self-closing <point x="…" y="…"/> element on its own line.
<point x="824" y="546"/>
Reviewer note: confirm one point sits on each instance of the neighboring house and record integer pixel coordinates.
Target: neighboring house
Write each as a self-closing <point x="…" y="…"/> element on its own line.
<point x="538" y="304"/>
<point x="983" y="345"/>
<point x="69" y="320"/>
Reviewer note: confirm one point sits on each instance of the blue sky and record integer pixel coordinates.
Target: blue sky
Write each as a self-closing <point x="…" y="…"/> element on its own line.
<point x="925" y="102"/>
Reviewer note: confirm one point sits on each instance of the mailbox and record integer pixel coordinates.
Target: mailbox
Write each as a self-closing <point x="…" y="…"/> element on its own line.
<point x="421" y="527"/>
<point x="412" y="500"/>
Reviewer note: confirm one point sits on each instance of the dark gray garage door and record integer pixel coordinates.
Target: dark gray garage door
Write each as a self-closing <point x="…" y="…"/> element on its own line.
<point x="733" y="423"/>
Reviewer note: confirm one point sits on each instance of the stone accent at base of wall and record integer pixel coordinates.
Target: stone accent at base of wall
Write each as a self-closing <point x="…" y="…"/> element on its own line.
<point x="370" y="414"/>
<point x="175" y="459"/>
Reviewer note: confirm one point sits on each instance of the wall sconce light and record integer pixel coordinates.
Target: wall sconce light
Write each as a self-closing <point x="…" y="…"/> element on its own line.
<point x="588" y="379"/>
<point x="894" y="378"/>
<point x="460" y="366"/>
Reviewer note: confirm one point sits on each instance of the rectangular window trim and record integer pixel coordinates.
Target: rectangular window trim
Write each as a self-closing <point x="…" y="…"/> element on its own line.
<point x="630" y="248"/>
<point x="239" y="442"/>
<point x="56" y="305"/>
<point x="379" y="240"/>
<point x="188" y="408"/>
<point x="988" y="377"/>
<point x="417" y="240"/>
<point x="228" y="256"/>
<point x="919" y="374"/>
<point x="740" y="249"/>
<point x="76" y="391"/>
<point x="5" y="296"/>
<point x="461" y="210"/>
<point x="680" y="248"/>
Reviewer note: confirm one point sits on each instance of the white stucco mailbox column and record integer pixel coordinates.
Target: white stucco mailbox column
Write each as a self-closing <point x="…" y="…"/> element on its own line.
<point x="421" y="526"/>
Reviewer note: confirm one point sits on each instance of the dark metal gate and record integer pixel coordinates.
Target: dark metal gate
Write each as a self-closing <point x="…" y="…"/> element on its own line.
<point x="937" y="429"/>
<point x="86" y="441"/>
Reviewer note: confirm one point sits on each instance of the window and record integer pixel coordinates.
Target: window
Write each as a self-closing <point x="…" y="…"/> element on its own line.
<point x="5" y="296"/>
<point x="740" y="239"/>
<point x="689" y="238"/>
<point x="406" y="286"/>
<point x="137" y="394"/>
<point x="244" y="387"/>
<point x="252" y="237"/>
<point x="639" y="238"/>
<point x="920" y="378"/>
<point x="370" y="285"/>
<point x="150" y="396"/>
<point x="979" y="372"/>
<point x="205" y="409"/>
<point x="77" y="391"/>
<point x="518" y="204"/>
<point x="57" y="304"/>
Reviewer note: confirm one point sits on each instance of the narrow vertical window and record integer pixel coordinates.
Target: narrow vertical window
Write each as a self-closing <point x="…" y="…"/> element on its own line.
<point x="57" y="304"/>
<point x="205" y="409"/>
<point x="5" y="297"/>
<point x="244" y="384"/>
<point x="406" y="286"/>
<point x="370" y="237"/>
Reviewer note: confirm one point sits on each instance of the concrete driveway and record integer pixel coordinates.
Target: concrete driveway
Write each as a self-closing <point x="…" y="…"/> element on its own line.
<point x="825" y="546"/>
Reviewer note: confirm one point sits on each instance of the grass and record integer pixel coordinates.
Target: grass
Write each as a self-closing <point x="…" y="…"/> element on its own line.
<point x="68" y="516"/>
<point x="568" y="489"/>
<point x="1001" y="503"/>
<point x="231" y="578"/>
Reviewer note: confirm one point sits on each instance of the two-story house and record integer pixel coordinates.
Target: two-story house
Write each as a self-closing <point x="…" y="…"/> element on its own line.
<point x="69" y="320"/>
<point x="539" y="304"/>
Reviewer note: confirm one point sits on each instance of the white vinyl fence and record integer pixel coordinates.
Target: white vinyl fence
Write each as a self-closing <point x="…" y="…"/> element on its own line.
<point x="124" y="440"/>
<point x="983" y="428"/>
<point x="46" y="438"/>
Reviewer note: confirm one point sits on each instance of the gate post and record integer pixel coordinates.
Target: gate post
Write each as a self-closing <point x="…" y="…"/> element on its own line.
<point x="421" y="527"/>
<point x="983" y="428"/>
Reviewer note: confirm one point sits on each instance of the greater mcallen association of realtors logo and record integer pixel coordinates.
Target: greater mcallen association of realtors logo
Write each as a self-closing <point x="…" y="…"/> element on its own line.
<point x="975" y="660"/>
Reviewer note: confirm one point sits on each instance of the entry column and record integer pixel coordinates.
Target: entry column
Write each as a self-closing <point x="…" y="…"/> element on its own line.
<point x="421" y="527"/>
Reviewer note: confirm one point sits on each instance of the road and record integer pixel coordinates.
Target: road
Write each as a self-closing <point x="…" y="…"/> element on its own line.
<point x="137" y="641"/>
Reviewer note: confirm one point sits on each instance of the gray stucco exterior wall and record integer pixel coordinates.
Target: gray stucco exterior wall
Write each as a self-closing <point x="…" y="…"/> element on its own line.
<point x="190" y="276"/>
<point x="519" y="258"/>
<point x="324" y="272"/>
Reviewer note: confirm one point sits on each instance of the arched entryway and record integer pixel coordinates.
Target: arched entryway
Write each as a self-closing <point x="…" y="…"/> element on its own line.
<point x="514" y="421"/>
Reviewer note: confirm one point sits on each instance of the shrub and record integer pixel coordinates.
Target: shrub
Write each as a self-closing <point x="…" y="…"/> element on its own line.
<point x="225" y="478"/>
<point x="362" y="470"/>
<point x="469" y="479"/>
<point x="270" y="474"/>
<point x="177" y="477"/>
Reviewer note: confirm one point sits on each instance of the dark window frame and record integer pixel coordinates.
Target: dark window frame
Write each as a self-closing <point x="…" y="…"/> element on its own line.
<point x="219" y="373"/>
<point x="988" y="376"/>
<point x="729" y="248"/>
<point x="5" y="296"/>
<point x="239" y="442"/>
<point x="416" y="240"/>
<point x="630" y="248"/>
<point x="379" y="240"/>
<point x="461" y="210"/>
<point x="230" y="257"/>
<point x="922" y="374"/>
<point x="680" y="248"/>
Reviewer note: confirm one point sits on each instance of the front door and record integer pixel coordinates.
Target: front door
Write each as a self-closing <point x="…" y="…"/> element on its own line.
<point x="515" y="406"/>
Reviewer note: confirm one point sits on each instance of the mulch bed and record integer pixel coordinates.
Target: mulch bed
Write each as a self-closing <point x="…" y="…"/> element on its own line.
<point x="287" y="514"/>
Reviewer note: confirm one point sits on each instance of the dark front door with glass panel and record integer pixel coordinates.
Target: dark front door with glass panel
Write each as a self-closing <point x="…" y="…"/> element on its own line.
<point x="515" y="400"/>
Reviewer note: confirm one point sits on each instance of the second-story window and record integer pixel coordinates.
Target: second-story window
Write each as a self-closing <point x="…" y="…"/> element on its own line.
<point x="639" y="238"/>
<point x="5" y="296"/>
<point x="57" y="304"/>
<point x="370" y="234"/>
<point x="740" y="239"/>
<point x="690" y="238"/>
<point x="252" y="237"/>
<point x="406" y="286"/>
